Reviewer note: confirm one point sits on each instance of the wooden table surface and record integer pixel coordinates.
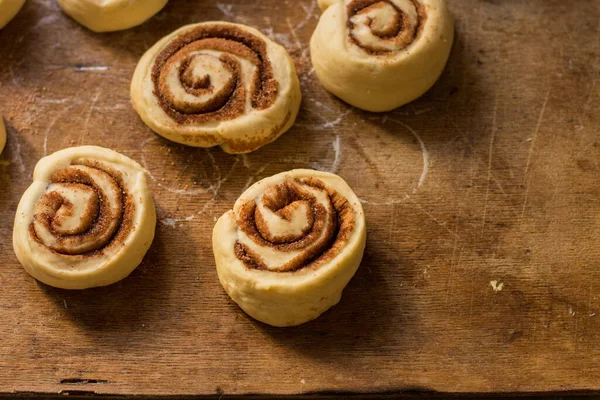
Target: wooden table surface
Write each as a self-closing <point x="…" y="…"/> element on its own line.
<point x="482" y="200"/>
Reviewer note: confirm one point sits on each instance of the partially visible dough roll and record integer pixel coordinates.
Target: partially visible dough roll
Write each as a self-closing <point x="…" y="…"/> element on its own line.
<point x="2" y="135"/>
<point x="290" y="245"/>
<point x="380" y="54"/>
<point x="8" y="10"/>
<point x="87" y="219"/>
<point x="217" y="84"/>
<point x="111" y="15"/>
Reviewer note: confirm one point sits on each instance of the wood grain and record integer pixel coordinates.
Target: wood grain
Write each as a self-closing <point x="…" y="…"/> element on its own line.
<point x="491" y="176"/>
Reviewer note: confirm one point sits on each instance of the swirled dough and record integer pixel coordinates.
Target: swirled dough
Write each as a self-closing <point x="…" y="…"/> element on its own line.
<point x="87" y="219"/>
<point x="111" y="15"/>
<point x="2" y="135"/>
<point x="217" y="84"/>
<point x="290" y="245"/>
<point x="380" y="54"/>
<point x="8" y="10"/>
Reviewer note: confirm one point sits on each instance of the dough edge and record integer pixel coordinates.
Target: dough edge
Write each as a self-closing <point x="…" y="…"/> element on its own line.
<point x="8" y="10"/>
<point x="115" y="15"/>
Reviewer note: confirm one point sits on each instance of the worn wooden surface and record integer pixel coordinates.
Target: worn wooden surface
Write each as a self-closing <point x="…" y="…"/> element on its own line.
<point x="491" y="176"/>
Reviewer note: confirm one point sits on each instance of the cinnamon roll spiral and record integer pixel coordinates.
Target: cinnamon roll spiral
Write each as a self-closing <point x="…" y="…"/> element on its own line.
<point x="217" y="83"/>
<point x="111" y="15"/>
<point x="392" y="51"/>
<point x="290" y="245"/>
<point x="8" y="10"/>
<point x="87" y="220"/>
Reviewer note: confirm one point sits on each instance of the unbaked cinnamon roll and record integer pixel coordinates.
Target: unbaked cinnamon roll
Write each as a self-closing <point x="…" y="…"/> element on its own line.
<point x="111" y="15"/>
<point x="87" y="220"/>
<point x="217" y="84"/>
<point x="8" y="10"/>
<point x="392" y="51"/>
<point x="290" y="245"/>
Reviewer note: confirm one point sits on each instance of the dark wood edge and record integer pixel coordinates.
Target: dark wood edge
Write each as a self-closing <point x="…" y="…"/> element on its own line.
<point x="321" y="395"/>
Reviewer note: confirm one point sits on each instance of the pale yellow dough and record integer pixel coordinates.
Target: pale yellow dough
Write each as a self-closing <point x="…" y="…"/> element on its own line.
<point x="56" y="237"/>
<point x="8" y="10"/>
<point x="272" y="294"/>
<point x="208" y="123"/>
<point x="111" y="15"/>
<point x="360" y="58"/>
<point x="2" y="135"/>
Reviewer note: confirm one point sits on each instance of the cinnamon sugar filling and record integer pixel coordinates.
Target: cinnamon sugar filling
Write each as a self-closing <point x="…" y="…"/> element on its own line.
<point x="316" y="232"/>
<point x="400" y="33"/>
<point x="99" y="220"/>
<point x="229" y="101"/>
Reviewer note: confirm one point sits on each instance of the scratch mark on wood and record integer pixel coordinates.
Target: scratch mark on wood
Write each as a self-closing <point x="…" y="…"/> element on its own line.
<point x="590" y="94"/>
<point x="89" y="114"/>
<point x="590" y="313"/>
<point x="51" y="125"/>
<point x="494" y="178"/>
<point x="167" y="188"/>
<point x="490" y="158"/>
<point x="471" y="303"/>
<point x="567" y="31"/>
<point x="213" y="161"/>
<point x="424" y="153"/>
<point x="531" y="148"/>
<point x="53" y="101"/>
<point x="576" y="332"/>
<point x="392" y="223"/>
<point x="526" y="197"/>
<point x="453" y="264"/>
<point x="535" y="133"/>
<point x="434" y="219"/>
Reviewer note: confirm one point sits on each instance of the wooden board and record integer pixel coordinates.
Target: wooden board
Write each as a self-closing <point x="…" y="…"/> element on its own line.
<point x="491" y="176"/>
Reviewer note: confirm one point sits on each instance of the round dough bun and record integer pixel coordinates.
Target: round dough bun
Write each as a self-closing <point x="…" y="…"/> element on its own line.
<point x="111" y="15"/>
<point x="87" y="220"/>
<point x="290" y="245"/>
<point x="8" y="10"/>
<point x="217" y="84"/>
<point x="392" y="51"/>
